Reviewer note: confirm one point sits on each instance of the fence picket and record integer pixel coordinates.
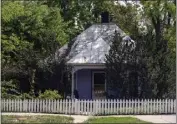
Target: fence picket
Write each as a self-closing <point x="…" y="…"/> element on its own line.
<point x="129" y="106"/>
<point x="17" y="105"/>
<point x="4" y="105"/>
<point x="120" y="109"/>
<point x="82" y="106"/>
<point x="174" y="104"/>
<point x="132" y="104"/>
<point x="108" y="104"/>
<point x="7" y="102"/>
<point x="85" y="109"/>
<point x="11" y="104"/>
<point x="91" y="107"/>
<point x="166" y="106"/>
<point x="14" y="102"/>
<point x="157" y="105"/>
<point x="38" y="106"/>
<point x="168" y="101"/>
<point x="66" y="106"/>
<point x="75" y="106"/>
<point x="105" y="106"/>
<point x="134" y="107"/>
<point x="160" y="106"/>
<point x="117" y="106"/>
<point x="79" y="106"/>
<point x="88" y="107"/>
<point x="22" y="106"/>
<point x="28" y="105"/>
<point x="60" y="106"/>
<point x="148" y="106"/>
<point x="111" y="106"/>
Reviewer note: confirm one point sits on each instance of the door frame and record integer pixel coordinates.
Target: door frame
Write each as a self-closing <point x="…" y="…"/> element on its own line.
<point x="93" y="72"/>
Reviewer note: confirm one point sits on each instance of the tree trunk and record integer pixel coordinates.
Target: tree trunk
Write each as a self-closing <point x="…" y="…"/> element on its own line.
<point x="32" y="86"/>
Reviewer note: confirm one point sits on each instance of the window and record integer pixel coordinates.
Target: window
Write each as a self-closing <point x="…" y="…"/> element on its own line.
<point x="99" y="84"/>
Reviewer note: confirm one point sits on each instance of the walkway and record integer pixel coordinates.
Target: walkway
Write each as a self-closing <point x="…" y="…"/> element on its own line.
<point x="80" y="118"/>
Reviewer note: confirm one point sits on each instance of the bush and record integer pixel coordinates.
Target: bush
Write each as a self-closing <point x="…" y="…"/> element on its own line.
<point x="9" y="90"/>
<point x="49" y="94"/>
<point x="25" y="96"/>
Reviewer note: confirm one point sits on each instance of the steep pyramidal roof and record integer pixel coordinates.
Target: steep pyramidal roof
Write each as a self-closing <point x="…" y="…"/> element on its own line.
<point x="92" y="44"/>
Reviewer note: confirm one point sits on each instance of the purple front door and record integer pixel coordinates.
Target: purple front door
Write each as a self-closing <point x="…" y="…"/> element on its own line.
<point x="84" y="84"/>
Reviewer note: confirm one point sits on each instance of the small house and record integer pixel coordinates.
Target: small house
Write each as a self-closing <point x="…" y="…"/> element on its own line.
<point x="87" y="59"/>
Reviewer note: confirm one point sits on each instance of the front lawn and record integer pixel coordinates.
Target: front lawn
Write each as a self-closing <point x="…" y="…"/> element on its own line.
<point x="35" y="119"/>
<point x="114" y="120"/>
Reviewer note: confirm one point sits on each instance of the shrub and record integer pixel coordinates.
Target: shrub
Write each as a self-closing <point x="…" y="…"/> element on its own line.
<point x="9" y="90"/>
<point x="49" y="94"/>
<point x="25" y="96"/>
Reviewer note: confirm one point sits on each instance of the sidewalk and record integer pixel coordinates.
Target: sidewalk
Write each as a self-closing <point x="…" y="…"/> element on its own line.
<point x="81" y="118"/>
<point x="158" y="118"/>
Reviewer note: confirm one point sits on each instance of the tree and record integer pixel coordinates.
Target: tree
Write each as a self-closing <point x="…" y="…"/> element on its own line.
<point x="155" y="44"/>
<point x="121" y="68"/>
<point x="161" y="16"/>
<point x="30" y="33"/>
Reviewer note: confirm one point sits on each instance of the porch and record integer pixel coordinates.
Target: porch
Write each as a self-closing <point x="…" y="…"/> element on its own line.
<point x="89" y="82"/>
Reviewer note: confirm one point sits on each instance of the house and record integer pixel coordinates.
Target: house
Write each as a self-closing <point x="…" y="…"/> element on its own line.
<point x="87" y="59"/>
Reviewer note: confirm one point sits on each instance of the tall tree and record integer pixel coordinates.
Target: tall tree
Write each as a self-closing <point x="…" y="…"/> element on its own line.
<point x="30" y="33"/>
<point x="157" y="13"/>
<point x="121" y="68"/>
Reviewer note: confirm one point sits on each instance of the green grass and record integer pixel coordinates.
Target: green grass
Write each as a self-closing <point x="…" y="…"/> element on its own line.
<point x="114" y="120"/>
<point x="35" y="119"/>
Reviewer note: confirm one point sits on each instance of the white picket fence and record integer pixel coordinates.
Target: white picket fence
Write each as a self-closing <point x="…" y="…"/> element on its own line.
<point x="90" y="107"/>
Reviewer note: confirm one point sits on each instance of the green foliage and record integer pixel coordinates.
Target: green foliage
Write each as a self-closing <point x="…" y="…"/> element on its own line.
<point x="49" y="119"/>
<point x="155" y="50"/>
<point x="9" y="89"/>
<point x="49" y="94"/>
<point x="26" y="96"/>
<point x="114" y="120"/>
<point x="33" y="31"/>
<point x="126" y="17"/>
<point x="161" y="15"/>
<point x="30" y="33"/>
<point x="122" y="68"/>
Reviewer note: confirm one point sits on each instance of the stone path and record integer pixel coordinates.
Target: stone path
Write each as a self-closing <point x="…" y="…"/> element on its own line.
<point x="81" y="118"/>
